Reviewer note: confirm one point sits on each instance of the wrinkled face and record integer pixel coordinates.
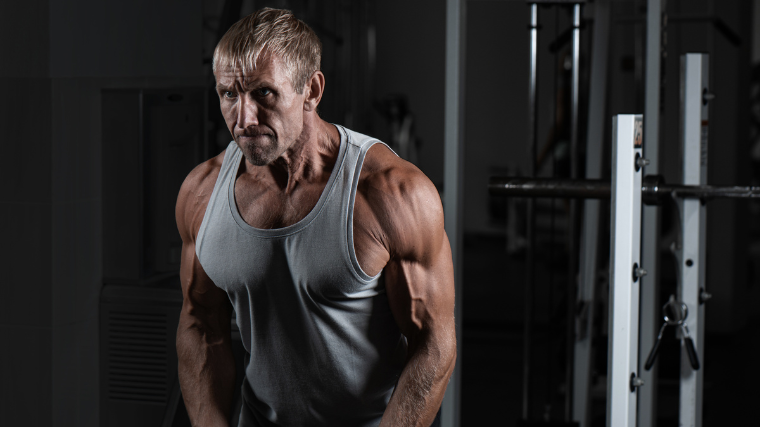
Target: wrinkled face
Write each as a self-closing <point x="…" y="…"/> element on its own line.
<point x="262" y="110"/>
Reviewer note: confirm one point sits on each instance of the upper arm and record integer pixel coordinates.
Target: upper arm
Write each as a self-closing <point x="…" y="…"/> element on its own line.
<point x="204" y="304"/>
<point x="419" y="276"/>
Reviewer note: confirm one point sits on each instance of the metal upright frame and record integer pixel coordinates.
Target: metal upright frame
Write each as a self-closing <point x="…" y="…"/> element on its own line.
<point x="530" y="220"/>
<point x="627" y="191"/>
<point x="691" y="251"/>
<point x="532" y="145"/>
<point x="589" y="233"/>
<point x="625" y="271"/>
<point x="453" y="203"/>
<point x="573" y="215"/>
<point x="650" y="228"/>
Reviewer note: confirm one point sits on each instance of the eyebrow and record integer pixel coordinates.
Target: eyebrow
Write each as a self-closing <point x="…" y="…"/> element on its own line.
<point x="255" y="84"/>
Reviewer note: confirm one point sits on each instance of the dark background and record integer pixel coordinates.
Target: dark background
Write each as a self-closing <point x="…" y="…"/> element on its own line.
<point x="62" y="168"/>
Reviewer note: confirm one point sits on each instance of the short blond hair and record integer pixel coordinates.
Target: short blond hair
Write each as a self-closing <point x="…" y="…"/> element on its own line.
<point x="270" y="32"/>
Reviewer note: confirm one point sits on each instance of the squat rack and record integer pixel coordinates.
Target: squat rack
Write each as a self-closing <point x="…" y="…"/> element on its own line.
<point x="453" y="172"/>
<point x="628" y="189"/>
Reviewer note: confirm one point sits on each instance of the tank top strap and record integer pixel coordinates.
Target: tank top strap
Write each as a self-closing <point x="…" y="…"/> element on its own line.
<point x="361" y="145"/>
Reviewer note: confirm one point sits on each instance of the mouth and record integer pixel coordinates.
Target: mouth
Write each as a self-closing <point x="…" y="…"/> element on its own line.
<point x="254" y="138"/>
<point x="254" y="135"/>
<point x="257" y="136"/>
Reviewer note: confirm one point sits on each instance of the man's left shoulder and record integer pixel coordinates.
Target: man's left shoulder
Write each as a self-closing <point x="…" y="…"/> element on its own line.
<point x="398" y="187"/>
<point x="404" y="203"/>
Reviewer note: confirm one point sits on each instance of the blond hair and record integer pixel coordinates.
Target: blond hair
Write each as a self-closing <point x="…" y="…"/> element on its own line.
<point x="270" y="32"/>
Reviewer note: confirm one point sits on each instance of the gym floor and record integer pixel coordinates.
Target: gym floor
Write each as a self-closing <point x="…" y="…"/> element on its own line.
<point x="492" y="352"/>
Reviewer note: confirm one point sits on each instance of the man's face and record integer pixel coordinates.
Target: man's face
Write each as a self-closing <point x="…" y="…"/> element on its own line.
<point x="262" y="110"/>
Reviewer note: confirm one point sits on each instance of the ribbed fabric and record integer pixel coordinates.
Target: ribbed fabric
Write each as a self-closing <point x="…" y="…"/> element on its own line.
<point x="324" y="347"/>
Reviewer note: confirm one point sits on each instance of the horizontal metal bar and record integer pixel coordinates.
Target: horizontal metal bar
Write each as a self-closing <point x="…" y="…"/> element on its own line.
<point x="710" y="192"/>
<point x="653" y="189"/>
<point x="548" y="187"/>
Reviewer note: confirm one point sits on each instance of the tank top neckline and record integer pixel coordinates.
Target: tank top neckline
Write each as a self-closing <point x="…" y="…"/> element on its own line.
<point x="305" y="221"/>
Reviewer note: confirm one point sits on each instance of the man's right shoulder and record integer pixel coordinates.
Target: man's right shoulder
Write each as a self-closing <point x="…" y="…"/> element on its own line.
<point x="203" y="176"/>
<point x="194" y="195"/>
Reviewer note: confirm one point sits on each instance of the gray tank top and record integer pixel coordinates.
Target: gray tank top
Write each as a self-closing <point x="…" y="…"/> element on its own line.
<point x="324" y="347"/>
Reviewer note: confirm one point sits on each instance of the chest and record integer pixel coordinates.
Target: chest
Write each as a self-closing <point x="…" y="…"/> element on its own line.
<point x="264" y="206"/>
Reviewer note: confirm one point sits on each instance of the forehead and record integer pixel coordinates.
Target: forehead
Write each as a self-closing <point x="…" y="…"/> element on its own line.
<point x="269" y="68"/>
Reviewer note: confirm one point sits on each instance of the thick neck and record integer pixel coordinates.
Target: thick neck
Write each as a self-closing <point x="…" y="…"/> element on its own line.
<point x="309" y="159"/>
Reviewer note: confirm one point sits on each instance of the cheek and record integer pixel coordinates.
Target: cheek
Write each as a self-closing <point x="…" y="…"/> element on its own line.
<point x="228" y="112"/>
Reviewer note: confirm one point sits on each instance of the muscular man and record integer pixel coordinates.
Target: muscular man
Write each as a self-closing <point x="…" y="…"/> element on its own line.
<point x="329" y="247"/>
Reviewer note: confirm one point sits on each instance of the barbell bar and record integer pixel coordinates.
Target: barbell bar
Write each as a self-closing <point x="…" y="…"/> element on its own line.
<point x="653" y="189"/>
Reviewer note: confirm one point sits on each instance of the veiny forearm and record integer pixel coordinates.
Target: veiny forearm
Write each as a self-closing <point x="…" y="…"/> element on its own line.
<point x="422" y="384"/>
<point x="206" y="374"/>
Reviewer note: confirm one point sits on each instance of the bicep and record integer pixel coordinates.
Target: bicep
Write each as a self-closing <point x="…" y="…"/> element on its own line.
<point x="204" y="304"/>
<point x="421" y="291"/>
<point x="419" y="275"/>
<point x="206" y="310"/>
<point x="198" y="290"/>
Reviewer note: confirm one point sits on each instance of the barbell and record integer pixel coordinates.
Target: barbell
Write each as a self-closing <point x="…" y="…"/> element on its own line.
<point x="653" y="189"/>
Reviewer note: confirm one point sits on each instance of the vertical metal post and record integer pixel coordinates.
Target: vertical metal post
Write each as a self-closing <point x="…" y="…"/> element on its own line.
<point x="650" y="233"/>
<point x="623" y="351"/>
<point x="453" y="184"/>
<point x="530" y="258"/>
<point x="584" y="321"/>
<point x="691" y="254"/>
<point x="574" y="91"/>
<point x="572" y="234"/>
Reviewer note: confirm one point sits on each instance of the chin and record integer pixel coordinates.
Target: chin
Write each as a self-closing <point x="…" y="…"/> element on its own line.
<point x="258" y="155"/>
<point x="257" y="158"/>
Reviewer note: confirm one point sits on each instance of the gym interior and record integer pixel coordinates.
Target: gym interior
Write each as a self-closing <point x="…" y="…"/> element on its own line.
<point x="107" y="100"/>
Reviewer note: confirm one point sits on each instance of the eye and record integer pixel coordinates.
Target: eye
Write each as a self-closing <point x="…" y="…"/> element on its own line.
<point x="263" y="91"/>
<point x="228" y="94"/>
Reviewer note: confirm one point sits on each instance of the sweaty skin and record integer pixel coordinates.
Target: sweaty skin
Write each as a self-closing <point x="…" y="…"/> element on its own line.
<point x="398" y="226"/>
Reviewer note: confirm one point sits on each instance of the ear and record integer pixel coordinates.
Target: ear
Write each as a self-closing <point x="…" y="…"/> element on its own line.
<point x="314" y="88"/>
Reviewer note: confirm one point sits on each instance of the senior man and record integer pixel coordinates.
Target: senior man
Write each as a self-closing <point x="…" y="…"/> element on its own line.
<point x="329" y="247"/>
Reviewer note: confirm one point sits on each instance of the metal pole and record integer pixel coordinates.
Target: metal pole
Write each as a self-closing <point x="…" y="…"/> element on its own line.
<point x="574" y="91"/>
<point x="625" y="236"/>
<point x="571" y="230"/>
<point x="650" y="233"/>
<point x="587" y="265"/>
<point x="530" y="255"/>
<point x="453" y="184"/>
<point x="691" y="253"/>
<point x="653" y="189"/>
<point x="549" y="187"/>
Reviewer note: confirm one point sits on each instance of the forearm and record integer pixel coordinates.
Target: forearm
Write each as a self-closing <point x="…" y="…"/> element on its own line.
<point x="422" y="384"/>
<point x="206" y="376"/>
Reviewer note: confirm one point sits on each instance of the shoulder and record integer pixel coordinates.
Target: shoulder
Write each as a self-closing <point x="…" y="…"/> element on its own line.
<point x="404" y="201"/>
<point x="203" y="175"/>
<point x="194" y="196"/>
<point x="386" y="173"/>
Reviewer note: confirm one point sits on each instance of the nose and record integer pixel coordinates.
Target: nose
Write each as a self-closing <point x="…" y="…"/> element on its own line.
<point x="247" y="112"/>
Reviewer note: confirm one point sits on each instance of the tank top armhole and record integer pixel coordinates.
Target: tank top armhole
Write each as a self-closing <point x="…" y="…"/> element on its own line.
<point x="358" y="270"/>
<point x="229" y="154"/>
